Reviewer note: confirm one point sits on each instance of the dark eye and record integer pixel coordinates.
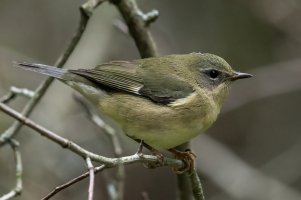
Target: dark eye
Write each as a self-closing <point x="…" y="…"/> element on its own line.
<point x="213" y="73"/>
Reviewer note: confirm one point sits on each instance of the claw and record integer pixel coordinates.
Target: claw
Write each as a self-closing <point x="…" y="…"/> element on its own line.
<point x="188" y="157"/>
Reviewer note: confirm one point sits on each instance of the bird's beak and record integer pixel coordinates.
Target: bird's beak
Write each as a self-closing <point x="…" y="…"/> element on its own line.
<point x="240" y="75"/>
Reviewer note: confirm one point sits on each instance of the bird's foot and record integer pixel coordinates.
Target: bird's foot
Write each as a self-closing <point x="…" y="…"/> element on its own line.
<point x="188" y="157"/>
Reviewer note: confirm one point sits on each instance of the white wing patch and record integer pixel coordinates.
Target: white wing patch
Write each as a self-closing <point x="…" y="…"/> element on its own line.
<point x="135" y="89"/>
<point x="183" y="101"/>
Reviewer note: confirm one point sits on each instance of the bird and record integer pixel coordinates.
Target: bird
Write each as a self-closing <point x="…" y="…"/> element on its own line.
<point x="163" y="101"/>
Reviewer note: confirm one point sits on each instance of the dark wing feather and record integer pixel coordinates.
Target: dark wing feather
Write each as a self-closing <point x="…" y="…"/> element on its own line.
<point x="165" y="89"/>
<point x="123" y="76"/>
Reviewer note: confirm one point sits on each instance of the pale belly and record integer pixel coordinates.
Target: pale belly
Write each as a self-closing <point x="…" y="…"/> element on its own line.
<point x="167" y="136"/>
<point x="161" y="127"/>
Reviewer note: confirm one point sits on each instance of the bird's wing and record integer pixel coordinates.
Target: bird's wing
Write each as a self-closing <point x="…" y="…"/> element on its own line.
<point x="123" y="77"/>
<point x="119" y="75"/>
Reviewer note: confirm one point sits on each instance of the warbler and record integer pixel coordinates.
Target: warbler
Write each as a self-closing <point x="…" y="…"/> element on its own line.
<point x="164" y="101"/>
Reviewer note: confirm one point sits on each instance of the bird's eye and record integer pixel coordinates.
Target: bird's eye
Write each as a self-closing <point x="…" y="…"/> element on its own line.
<point x="213" y="73"/>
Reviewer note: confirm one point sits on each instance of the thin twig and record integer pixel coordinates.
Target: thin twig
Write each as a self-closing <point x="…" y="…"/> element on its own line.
<point x="72" y="182"/>
<point x="19" y="171"/>
<point x="91" y="175"/>
<point x="137" y="23"/>
<point x="8" y="97"/>
<point x="150" y="17"/>
<point x="14" y="91"/>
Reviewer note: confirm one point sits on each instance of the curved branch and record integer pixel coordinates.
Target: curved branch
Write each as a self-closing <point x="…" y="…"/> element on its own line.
<point x="71" y="182"/>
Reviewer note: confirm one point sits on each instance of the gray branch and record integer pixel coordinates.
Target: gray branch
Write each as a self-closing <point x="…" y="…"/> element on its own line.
<point x="91" y="175"/>
<point x="19" y="171"/>
<point x="137" y="23"/>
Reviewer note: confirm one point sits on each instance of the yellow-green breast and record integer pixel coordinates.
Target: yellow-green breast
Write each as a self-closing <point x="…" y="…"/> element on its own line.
<point x="162" y="127"/>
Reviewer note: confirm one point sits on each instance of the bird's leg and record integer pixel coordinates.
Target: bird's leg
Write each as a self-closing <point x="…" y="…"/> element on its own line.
<point x="155" y="152"/>
<point x="187" y="156"/>
<point x="140" y="147"/>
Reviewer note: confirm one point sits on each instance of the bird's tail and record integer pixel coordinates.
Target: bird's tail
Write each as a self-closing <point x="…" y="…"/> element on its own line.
<point x="44" y="69"/>
<point x="77" y="82"/>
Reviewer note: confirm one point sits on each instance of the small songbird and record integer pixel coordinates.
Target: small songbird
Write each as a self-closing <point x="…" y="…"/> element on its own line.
<point x="164" y="101"/>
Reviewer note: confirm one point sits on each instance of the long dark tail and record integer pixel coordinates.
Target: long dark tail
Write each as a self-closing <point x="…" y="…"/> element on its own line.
<point x="43" y="69"/>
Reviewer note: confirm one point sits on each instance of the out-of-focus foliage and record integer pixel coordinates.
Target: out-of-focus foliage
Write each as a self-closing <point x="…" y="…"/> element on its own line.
<point x="253" y="150"/>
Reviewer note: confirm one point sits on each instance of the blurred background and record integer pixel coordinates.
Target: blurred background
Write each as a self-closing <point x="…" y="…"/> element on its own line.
<point x="252" y="151"/>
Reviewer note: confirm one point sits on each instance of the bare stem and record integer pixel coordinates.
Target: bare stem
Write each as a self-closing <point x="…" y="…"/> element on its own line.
<point x="72" y="182"/>
<point x="19" y="171"/>
<point x="91" y="175"/>
<point x="14" y="91"/>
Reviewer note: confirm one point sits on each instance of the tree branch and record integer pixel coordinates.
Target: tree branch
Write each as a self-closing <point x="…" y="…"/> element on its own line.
<point x="19" y="171"/>
<point x="71" y="182"/>
<point x="138" y="23"/>
<point x="91" y="175"/>
<point x="184" y="187"/>
<point x="14" y="91"/>
<point x="197" y="188"/>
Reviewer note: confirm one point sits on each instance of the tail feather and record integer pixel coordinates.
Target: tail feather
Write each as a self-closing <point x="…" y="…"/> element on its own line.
<point x="83" y="85"/>
<point x="43" y="69"/>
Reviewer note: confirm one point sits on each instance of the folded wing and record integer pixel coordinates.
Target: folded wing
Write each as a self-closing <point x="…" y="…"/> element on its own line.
<point x="126" y="77"/>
